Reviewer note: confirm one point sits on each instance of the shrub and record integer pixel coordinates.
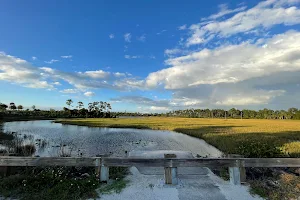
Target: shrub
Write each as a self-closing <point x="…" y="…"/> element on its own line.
<point x="259" y="149"/>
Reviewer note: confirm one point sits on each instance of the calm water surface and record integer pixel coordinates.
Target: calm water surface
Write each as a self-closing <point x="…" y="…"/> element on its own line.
<point x="90" y="141"/>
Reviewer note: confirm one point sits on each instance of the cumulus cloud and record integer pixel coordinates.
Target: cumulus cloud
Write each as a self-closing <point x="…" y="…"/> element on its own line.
<point x="231" y="63"/>
<point x="89" y="94"/>
<point x="19" y="71"/>
<point x="33" y="58"/>
<point x="264" y="15"/>
<point x="127" y="37"/>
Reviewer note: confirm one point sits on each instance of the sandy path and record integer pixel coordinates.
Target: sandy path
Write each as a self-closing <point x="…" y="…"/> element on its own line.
<point x="190" y="187"/>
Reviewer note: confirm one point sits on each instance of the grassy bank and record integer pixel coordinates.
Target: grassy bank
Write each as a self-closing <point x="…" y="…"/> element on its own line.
<point x="250" y="137"/>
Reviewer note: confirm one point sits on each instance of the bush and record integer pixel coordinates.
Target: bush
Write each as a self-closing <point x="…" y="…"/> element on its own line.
<point x="259" y="149"/>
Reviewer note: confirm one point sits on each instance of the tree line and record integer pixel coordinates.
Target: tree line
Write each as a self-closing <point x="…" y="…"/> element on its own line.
<point x="97" y="109"/>
<point x="102" y="109"/>
<point x="291" y="113"/>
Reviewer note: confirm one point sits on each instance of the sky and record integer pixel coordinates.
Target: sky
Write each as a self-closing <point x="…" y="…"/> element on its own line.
<point x="151" y="56"/>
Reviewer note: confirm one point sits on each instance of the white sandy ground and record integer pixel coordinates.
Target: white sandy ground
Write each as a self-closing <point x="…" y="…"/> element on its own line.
<point x="195" y="183"/>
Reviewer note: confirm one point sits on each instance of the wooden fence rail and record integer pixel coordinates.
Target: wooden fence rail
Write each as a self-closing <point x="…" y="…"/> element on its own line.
<point x="102" y="164"/>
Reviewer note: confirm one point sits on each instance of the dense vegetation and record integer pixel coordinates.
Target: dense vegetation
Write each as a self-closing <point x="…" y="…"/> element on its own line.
<point x="62" y="183"/>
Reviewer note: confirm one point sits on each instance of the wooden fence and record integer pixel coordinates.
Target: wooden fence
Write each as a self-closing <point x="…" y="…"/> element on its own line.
<point x="102" y="164"/>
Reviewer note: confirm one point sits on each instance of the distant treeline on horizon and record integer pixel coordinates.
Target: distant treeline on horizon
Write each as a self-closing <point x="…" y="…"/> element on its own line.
<point x="103" y="110"/>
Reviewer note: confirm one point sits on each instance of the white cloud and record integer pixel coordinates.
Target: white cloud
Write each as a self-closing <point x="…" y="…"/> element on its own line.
<point x="130" y="83"/>
<point x="16" y="70"/>
<point x="183" y="27"/>
<point x="89" y="94"/>
<point x="152" y="57"/>
<point x="111" y="36"/>
<point x="243" y="99"/>
<point x="118" y="74"/>
<point x="224" y="11"/>
<point x="98" y="74"/>
<point x="51" y="61"/>
<point x="142" y="38"/>
<point x="175" y="51"/>
<point x="33" y="58"/>
<point x="127" y="37"/>
<point x="159" y="109"/>
<point x="264" y="15"/>
<point x="231" y="63"/>
<point x="69" y="91"/>
<point x="56" y="83"/>
<point x="69" y="56"/>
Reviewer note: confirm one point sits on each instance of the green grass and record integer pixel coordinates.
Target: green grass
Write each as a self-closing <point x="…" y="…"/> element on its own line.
<point x="249" y="137"/>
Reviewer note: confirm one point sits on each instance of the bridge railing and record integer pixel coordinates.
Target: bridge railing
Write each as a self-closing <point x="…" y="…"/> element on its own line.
<point x="102" y="164"/>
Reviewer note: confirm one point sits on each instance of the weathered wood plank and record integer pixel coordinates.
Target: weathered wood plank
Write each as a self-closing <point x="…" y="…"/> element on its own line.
<point x="161" y="162"/>
<point x="270" y="162"/>
<point x="171" y="172"/>
<point x="145" y="162"/>
<point x="46" y="161"/>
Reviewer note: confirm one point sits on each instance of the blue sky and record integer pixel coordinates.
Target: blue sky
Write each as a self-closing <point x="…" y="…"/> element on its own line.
<point x="151" y="56"/>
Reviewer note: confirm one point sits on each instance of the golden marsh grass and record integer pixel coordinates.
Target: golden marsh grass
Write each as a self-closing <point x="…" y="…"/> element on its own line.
<point x="250" y="137"/>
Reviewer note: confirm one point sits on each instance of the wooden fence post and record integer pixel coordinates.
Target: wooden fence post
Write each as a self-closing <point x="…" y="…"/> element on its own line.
<point x="171" y="172"/>
<point x="98" y="167"/>
<point x="235" y="176"/>
<point x="104" y="172"/>
<point x="242" y="170"/>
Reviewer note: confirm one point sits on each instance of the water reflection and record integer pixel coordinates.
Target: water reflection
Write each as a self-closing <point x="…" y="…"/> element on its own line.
<point x="51" y="139"/>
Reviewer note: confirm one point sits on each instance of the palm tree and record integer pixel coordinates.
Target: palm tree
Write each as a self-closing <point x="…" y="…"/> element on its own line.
<point x="80" y="105"/>
<point x="69" y="102"/>
<point x="12" y="106"/>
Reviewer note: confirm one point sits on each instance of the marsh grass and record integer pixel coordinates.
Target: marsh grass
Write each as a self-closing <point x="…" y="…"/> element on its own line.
<point x="249" y="137"/>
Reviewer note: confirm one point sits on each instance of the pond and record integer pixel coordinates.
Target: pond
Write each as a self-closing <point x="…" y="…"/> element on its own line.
<point x="54" y="139"/>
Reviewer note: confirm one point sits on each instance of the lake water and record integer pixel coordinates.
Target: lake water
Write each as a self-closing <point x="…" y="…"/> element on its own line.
<point x="92" y="141"/>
